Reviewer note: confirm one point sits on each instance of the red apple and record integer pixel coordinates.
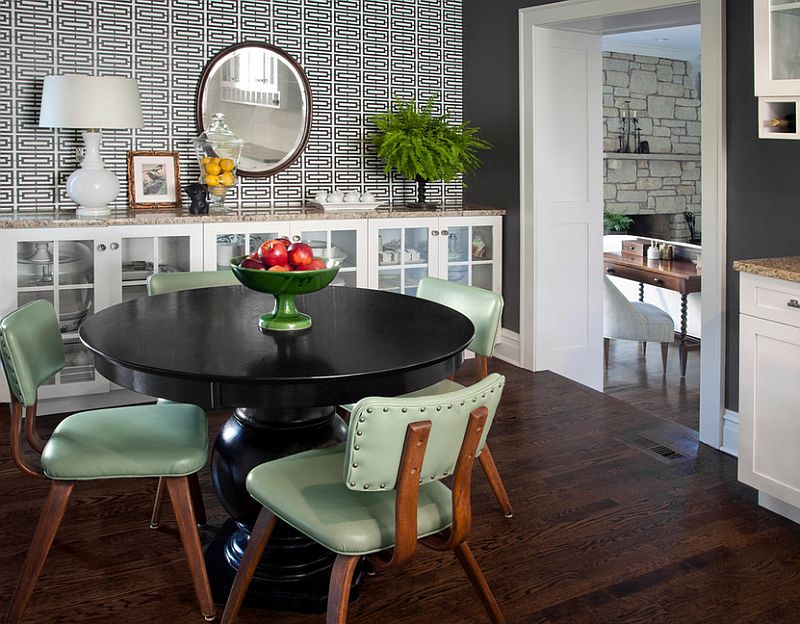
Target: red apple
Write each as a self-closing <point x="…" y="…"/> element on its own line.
<point x="300" y="254"/>
<point x="250" y="263"/>
<point x="284" y="240"/>
<point x="279" y="268"/>
<point x="316" y="264"/>
<point x="255" y="256"/>
<point x="274" y="255"/>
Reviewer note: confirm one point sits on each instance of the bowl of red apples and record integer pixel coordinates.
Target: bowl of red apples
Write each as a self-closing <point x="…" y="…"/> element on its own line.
<point x="284" y="269"/>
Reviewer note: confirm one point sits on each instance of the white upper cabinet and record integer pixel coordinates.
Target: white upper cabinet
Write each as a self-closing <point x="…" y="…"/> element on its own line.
<point x="777" y="47"/>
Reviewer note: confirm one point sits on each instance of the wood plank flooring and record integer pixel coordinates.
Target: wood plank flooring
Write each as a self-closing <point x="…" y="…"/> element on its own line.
<point x="603" y="533"/>
<point x="638" y="381"/>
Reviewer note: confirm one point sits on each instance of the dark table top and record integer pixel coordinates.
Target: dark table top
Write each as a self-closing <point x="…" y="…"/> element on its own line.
<point x="204" y="346"/>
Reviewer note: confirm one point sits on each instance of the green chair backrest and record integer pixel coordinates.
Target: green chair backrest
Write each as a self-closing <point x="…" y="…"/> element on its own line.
<point x="31" y="348"/>
<point x="160" y="283"/>
<point x="377" y="429"/>
<point x="482" y="307"/>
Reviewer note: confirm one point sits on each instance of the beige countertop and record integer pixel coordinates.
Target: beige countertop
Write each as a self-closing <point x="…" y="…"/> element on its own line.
<point x="786" y="268"/>
<point x="299" y="213"/>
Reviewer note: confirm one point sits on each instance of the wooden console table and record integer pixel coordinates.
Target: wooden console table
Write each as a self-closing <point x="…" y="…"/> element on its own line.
<point x="680" y="276"/>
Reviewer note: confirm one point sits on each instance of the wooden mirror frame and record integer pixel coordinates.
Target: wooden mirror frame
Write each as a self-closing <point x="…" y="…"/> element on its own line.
<point x="206" y="75"/>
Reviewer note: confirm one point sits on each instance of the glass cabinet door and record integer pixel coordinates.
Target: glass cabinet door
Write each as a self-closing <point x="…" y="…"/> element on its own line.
<point x="341" y="245"/>
<point x="236" y="244"/>
<point x="144" y="255"/>
<point x="63" y="273"/>
<point x="470" y="254"/>
<point x="777" y="47"/>
<point x="402" y="257"/>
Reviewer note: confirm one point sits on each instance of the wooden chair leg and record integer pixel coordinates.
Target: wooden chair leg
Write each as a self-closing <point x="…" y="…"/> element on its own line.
<point x="197" y="500"/>
<point x="181" y="498"/>
<point x="259" y="537"/>
<point x="339" y="588"/>
<point x="467" y="561"/>
<point x="46" y="529"/>
<point x="606" y="345"/>
<point x="155" y="517"/>
<point x="490" y="469"/>
<point x="664" y="352"/>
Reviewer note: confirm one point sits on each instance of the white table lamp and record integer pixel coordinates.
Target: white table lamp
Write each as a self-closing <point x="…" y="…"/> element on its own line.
<point x="91" y="103"/>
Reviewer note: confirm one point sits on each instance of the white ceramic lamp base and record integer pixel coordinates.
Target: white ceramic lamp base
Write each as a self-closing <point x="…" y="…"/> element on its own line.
<point x="92" y="186"/>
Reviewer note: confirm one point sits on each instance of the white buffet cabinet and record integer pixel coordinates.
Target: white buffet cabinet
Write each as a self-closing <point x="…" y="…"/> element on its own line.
<point x="84" y="266"/>
<point x="769" y="391"/>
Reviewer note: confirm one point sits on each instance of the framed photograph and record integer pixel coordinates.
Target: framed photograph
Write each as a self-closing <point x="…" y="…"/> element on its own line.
<point x="153" y="180"/>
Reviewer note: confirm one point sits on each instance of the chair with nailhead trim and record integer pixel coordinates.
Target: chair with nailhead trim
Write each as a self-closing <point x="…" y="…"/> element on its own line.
<point x="379" y="493"/>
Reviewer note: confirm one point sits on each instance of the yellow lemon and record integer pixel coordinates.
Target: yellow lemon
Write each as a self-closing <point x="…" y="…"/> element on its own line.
<point x="206" y="160"/>
<point x="227" y="179"/>
<point x="213" y="169"/>
<point x="212" y="180"/>
<point x="226" y="164"/>
<point x="216" y="160"/>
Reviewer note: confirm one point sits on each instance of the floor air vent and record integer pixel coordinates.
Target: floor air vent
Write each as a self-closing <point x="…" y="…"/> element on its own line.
<point x="658" y="450"/>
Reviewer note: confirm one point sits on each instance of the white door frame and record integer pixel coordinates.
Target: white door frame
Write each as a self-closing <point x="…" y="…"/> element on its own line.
<point x="713" y="162"/>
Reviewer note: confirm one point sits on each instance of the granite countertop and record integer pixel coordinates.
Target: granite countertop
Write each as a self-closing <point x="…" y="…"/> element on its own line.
<point x="786" y="268"/>
<point x="268" y="213"/>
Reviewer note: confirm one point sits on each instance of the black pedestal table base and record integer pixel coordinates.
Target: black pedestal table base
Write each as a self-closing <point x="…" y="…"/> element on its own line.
<point x="294" y="571"/>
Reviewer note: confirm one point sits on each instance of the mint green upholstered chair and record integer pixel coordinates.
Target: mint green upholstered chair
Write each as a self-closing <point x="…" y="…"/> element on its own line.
<point x="159" y="284"/>
<point x="380" y="492"/>
<point x="484" y="308"/>
<point x="168" y="441"/>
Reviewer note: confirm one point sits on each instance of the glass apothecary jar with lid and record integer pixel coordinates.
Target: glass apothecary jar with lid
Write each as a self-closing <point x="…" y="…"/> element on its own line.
<point x="218" y="151"/>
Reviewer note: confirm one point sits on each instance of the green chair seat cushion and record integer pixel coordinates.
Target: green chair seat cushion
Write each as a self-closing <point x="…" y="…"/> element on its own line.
<point x="165" y="440"/>
<point x="306" y="490"/>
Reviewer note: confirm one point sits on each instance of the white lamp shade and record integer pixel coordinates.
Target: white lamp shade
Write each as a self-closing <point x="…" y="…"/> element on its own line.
<point x="74" y="101"/>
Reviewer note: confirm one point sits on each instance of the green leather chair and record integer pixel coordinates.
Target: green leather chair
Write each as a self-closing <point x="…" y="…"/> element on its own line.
<point x="378" y="494"/>
<point x="484" y="308"/>
<point x="166" y="441"/>
<point x="159" y="284"/>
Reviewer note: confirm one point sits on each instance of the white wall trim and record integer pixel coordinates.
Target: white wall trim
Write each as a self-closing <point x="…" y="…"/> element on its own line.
<point x="508" y="348"/>
<point x="730" y="433"/>
<point x="645" y="50"/>
<point x="713" y="150"/>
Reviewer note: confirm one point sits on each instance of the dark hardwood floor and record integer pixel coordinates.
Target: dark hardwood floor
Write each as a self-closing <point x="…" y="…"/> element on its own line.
<point x="638" y="381"/>
<point x="603" y="533"/>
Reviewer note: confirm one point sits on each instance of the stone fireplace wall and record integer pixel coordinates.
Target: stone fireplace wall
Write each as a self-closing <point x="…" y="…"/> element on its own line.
<point x="663" y="93"/>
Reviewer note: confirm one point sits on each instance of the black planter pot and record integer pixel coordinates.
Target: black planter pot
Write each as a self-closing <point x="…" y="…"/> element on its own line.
<point x="421" y="204"/>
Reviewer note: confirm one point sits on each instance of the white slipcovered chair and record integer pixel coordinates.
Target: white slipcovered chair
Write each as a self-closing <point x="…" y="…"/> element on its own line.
<point x="634" y="320"/>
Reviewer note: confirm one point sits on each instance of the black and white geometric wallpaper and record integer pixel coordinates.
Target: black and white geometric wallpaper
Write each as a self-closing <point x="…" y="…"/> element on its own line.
<point x="359" y="55"/>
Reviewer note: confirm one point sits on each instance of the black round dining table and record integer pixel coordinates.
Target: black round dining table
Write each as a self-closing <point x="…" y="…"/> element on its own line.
<point x="205" y="347"/>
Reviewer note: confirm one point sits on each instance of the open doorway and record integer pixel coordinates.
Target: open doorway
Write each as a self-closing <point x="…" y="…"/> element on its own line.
<point x="562" y="265"/>
<point x="652" y="210"/>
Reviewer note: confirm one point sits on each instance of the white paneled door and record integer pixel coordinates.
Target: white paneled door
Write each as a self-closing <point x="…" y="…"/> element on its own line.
<point x="568" y="204"/>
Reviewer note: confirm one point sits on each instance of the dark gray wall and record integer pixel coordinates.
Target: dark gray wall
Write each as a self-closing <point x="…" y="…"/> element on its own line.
<point x="763" y="182"/>
<point x="763" y="175"/>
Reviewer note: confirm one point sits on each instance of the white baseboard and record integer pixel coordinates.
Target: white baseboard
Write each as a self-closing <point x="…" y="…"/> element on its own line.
<point x="779" y="507"/>
<point x="508" y="348"/>
<point x="730" y="433"/>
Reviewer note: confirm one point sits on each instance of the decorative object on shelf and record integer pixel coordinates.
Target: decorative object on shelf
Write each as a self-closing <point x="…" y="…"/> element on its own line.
<point x="154" y="180"/>
<point x="92" y="104"/>
<point x="629" y="126"/>
<point x="266" y="97"/>
<point x="425" y="147"/>
<point x="284" y="286"/>
<point x="349" y="206"/>
<point x="218" y="151"/>
<point x="197" y="196"/>
<point x="350" y="201"/>
<point x="616" y="222"/>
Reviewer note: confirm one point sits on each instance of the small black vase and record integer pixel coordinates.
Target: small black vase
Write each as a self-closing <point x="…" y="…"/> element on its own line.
<point x="197" y="195"/>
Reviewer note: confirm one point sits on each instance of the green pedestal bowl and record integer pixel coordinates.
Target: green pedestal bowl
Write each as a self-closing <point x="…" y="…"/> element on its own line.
<point x="284" y="286"/>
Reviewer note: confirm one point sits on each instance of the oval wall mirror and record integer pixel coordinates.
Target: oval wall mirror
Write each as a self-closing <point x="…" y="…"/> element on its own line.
<point x="266" y="99"/>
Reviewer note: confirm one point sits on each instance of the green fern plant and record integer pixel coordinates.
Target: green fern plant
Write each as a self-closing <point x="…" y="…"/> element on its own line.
<point x="423" y="146"/>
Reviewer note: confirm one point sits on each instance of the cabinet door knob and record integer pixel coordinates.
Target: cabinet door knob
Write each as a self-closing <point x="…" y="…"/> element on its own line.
<point x="657" y="280"/>
<point x="445" y="232"/>
<point x="114" y="246"/>
<point x="609" y="269"/>
<point x="793" y="303"/>
<point x="101" y="247"/>
<point x="296" y="238"/>
<point x="434" y="232"/>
